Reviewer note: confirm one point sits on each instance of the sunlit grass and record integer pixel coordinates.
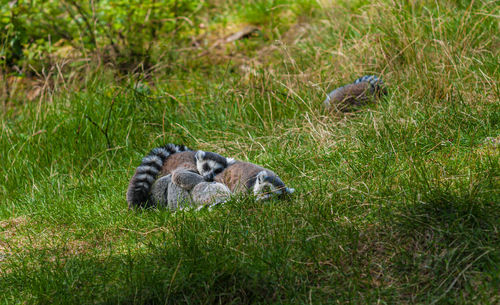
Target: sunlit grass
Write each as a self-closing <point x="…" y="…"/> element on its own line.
<point x="397" y="202"/>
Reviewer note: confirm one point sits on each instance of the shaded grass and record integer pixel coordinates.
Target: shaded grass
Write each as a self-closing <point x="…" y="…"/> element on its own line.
<point x="396" y="203"/>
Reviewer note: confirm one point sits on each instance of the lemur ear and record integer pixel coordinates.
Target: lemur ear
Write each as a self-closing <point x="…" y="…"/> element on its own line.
<point x="261" y="176"/>
<point x="200" y="155"/>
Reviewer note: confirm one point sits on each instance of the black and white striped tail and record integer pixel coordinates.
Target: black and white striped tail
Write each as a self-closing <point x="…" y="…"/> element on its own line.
<point x="375" y="81"/>
<point x="145" y="175"/>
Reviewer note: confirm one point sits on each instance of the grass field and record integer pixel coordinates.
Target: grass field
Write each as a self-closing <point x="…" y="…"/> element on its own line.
<point x="397" y="202"/>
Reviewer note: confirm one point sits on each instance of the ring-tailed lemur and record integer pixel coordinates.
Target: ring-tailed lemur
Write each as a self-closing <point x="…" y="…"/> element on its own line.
<point x="164" y="160"/>
<point x="261" y="182"/>
<point x="359" y="92"/>
<point x="185" y="188"/>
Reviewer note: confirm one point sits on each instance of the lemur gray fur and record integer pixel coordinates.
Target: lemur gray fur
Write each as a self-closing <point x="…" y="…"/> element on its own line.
<point x="164" y="160"/>
<point x="185" y="188"/>
<point x="361" y="91"/>
<point x="248" y="177"/>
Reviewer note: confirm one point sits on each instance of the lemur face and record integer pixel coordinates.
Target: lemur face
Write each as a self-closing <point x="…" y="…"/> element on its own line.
<point x="268" y="185"/>
<point x="210" y="164"/>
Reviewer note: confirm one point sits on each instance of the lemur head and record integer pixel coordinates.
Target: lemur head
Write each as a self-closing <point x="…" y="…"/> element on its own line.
<point x="266" y="185"/>
<point x="210" y="164"/>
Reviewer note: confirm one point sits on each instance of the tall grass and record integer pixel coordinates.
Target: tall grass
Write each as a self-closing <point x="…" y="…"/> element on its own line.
<point x="397" y="202"/>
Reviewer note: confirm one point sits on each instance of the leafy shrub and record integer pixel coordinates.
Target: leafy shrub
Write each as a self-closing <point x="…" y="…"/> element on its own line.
<point x="122" y="31"/>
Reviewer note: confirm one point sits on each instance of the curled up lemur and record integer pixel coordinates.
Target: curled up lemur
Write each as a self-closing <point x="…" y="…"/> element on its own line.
<point x="362" y="90"/>
<point x="176" y="176"/>
<point x="164" y="160"/>
<point x="243" y="177"/>
<point x="185" y="188"/>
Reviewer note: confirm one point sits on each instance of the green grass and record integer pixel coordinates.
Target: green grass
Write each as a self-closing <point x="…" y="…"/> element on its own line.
<point x="395" y="203"/>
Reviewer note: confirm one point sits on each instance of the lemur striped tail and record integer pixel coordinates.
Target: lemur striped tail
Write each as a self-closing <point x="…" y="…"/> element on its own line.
<point x="375" y="81"/>
<point x="145" y="175"/>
